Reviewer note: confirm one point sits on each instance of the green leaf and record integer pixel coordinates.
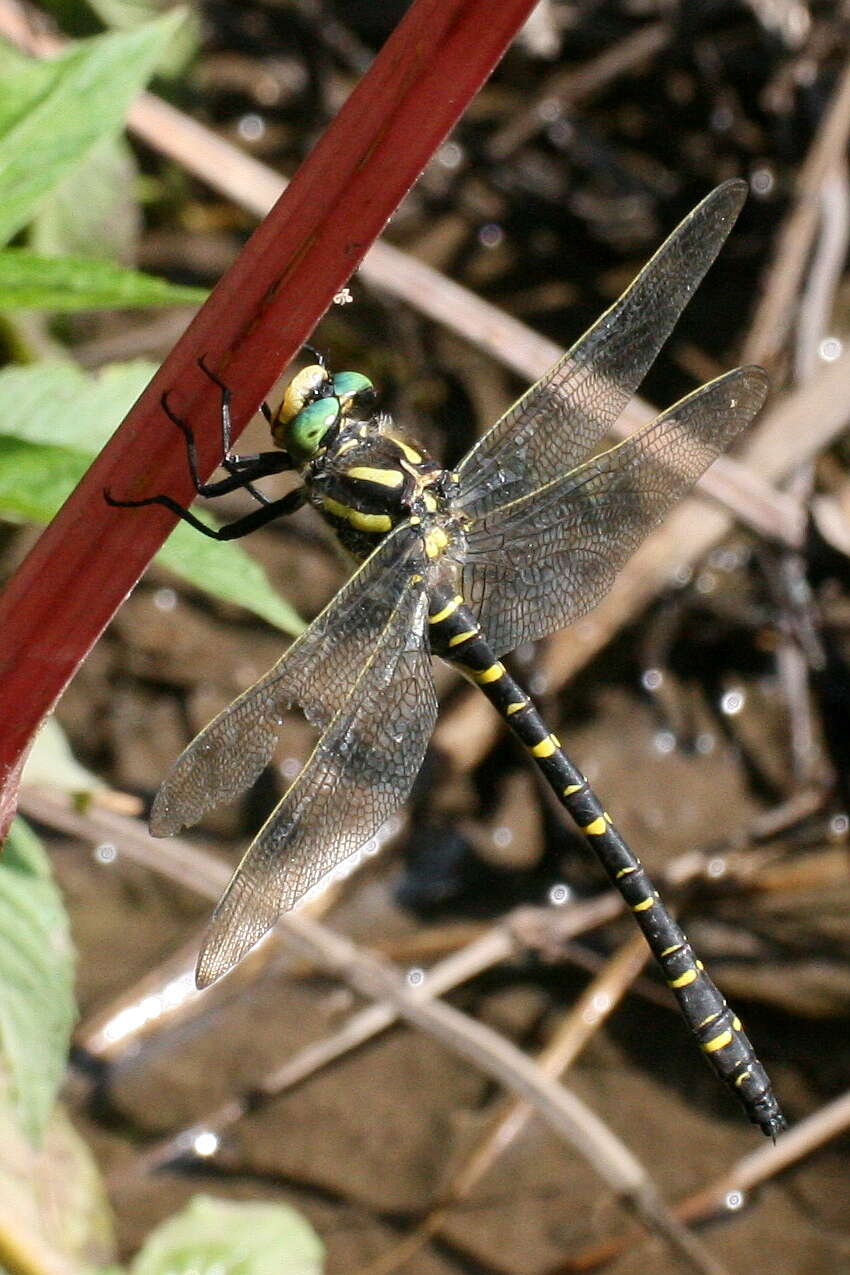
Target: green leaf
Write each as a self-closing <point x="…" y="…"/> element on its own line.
<point x="225" y="570"/>
<point x="36" y="980"/>
<point x="34" y="480"/>
<point x="53" y="1210"/>
<point x="59" y="404"/>
<point x="30" y="282"/>
<point x="11" y="59"/>
<point x="226" y="1237"/>
<point x="52" y="114"/>
<point x="51" y="762"/>
<point x="94" y="212"/>
<point x="53" y="419"/>
<point x="124" y="15"/>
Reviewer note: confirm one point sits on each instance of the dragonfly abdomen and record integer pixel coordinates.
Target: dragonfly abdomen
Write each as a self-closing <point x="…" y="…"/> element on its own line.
<point x="457" y="637"/>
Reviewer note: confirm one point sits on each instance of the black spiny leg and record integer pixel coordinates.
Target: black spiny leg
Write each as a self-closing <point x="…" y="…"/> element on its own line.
<point x="248" y="467"/>
<point x="232" y="531"/>
<point x="243" y="471"/>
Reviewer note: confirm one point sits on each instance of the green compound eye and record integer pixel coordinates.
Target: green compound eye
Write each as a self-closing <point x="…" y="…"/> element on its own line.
<point x="348" y="386"/>
<point x="307" y="430"/>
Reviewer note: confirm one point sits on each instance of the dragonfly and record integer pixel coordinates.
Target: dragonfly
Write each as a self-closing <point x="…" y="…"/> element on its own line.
<point x="522" y="538"/>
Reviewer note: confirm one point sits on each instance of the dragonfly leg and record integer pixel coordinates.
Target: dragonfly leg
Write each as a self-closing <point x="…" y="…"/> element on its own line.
<point x="233" y="530"/>
<point x="317" y="354"/>
<point x="233" y="464"/>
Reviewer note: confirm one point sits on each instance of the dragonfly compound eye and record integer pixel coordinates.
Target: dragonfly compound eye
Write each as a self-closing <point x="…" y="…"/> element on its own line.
<point x="306" y="431"/>
<point x="353" y="389"/>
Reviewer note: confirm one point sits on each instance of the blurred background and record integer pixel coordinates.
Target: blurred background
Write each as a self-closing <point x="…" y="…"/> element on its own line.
<point x="707" y="703"/>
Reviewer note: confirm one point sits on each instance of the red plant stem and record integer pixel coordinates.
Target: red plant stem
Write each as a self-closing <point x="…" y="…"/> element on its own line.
<point x="261" y="312"/>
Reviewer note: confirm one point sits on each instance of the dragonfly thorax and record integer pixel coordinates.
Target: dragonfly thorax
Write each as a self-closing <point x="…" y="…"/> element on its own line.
<point x="369" y="479"/>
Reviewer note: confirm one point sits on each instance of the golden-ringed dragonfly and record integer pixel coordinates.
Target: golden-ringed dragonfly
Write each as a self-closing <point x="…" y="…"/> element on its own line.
<point x="525" y="536"/>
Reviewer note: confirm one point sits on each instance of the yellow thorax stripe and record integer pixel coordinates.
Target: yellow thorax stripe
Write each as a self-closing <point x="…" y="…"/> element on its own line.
<point x="357" y="519"/>
<point x="410" y="453"/>
<point x="371" y="474"/>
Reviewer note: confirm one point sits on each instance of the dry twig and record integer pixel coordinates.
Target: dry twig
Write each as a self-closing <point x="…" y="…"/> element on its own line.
<point x="784" y="277"/>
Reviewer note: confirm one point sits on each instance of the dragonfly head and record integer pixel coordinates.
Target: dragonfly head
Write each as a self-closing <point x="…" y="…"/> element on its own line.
<point x="313" y="407"/>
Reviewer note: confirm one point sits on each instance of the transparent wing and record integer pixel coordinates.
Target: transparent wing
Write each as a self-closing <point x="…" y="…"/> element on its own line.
<point x="360" y="772"/>
<point x="317" y="673"/>
<point x="562" y="417"/>
<point x="538" y="563"/>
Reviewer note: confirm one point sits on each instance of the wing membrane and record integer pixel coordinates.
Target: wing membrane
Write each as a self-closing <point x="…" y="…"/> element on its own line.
<point x="563" y="416"/>
<point x="317" y="673"/>
<point x="536" y="564"/>
<point x="361" y="770"/>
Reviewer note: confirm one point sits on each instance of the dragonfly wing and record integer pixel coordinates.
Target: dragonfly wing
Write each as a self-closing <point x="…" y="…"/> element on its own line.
<point x="536" y="564"/>
<point x="317" y="673"/>
<point x="360" y="772"/>
<point x="562" y="417"/>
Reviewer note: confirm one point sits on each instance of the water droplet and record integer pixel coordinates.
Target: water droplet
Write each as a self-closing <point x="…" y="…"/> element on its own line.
<point x="490" y="235"/>
<point x="165" y="599"/>
<point x="559" y="894"/>
<point x="732" y="702"/>
<point x="502" y="836"/>
<point x="415" y="977"/>
<point x="251" y="127"/>
<point x="734" y="1200"/>
<point x="651" y="679"/>
<point x="705" y="743"/>
<point x="450" y="155"/>
<point x="838" y="825"/>
<point x="289" y="767"/>
<point x="105" y="852"/>
<point x="762" y="181"/>
<point x="725" y="559"/>
<point x="664" y="741"/>
<point x="830" y="349"/>
<point x="716" y="867"/>
<point x="549" y="110"/>
<point x="205" y="1143"/>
